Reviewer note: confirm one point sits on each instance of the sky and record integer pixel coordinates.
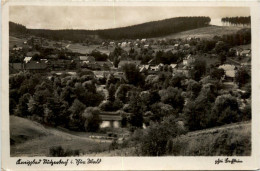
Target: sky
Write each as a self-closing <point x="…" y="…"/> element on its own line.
<point x="102" y="17"/>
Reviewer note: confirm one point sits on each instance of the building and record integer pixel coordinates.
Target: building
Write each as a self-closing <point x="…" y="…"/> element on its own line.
<point x="173" y="66"/>
<point x="245" y="52"/>
<point x="186" y="46"/>
<point x="27" y="59"/>
<point x="32" y="53"/>
<point x="17" y="48"/>
<point x="104" y="65"/>
<point x="123" y="44"/>
<point x="90" y="59"/>
<point x="188" y="60"/>
<point x="230" y="72"/>
<point x="36" y="66"/>
<point x="124" y="62"/>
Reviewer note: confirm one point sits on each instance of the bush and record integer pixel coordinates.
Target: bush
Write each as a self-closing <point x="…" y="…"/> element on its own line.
<point x="60" y="152"/>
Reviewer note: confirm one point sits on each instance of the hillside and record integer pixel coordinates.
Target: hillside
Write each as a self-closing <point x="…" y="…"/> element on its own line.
<point x="232" y="139"/>
<point x="204" y="32"/>
<point x="227" y="140"/>
<point x="29" y="138"/>
<point x="145" y="30"/>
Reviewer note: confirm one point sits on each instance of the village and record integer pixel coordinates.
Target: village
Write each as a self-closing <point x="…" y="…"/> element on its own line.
<point x="39" y="55"/>
<point x="116" y="92"/>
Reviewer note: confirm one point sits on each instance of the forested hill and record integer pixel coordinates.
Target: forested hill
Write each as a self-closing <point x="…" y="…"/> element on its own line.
<point x="145" y="30"/>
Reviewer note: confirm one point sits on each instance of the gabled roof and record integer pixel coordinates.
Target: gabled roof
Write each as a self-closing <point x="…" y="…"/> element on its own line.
<point x="27" y="59"/>
<point x="136" y="62"/>
<point x="173" y="65"/>
<point x="246" y="51"/>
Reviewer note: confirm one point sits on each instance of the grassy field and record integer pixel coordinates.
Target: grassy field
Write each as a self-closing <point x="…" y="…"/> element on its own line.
<point x="29" y="138"/>
<point x="16" y="41"/>
<point x="228" y="140"/>
<point x="204" y="32"/>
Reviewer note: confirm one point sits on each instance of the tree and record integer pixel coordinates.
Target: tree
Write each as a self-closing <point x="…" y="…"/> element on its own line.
<point x="216" y="73"/>
<point x="92" y="119"/>
<point x="136" y="108"/>
<point x="111" y="93"/>
<point x="22" y="107"/>
<point x="199" y="69"/>
<point x="172" y="96"/>
<point x="76" y="110"/>
<point x="193" y="88"/>
<point x="198" y="111"/>
<point x="225" y="110"/>
<point x="222" y="58"/>
<point x="133" y="74"/>
<point x="242" y="77"/>
<point x="154" y="141"/>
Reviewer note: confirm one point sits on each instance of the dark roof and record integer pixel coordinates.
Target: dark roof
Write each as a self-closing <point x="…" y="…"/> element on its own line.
<point x="137" y="62"/>
<point x="17" y="66"/>
<point x="34" y="65"/>
<point x="101" y="63"/>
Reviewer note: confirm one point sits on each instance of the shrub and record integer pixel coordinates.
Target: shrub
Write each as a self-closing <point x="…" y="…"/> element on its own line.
<point x="60" y="152"/>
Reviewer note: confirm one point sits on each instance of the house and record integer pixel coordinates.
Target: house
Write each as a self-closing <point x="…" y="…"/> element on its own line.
<point x="186" y="46"/>
<point x="17" y="66"/>
<point x="36" y="66"/>
<point x="144" y="68"/>
<point x="123" y="44"/>
<point x="112" y="43"/>
<point x="146" y="46"/>
<point x="152" y="62"/>
<point x="17" y="48"/>
<point x="176" y="46"/>
<point x="32" y="53"/>
<point x="173" y="66"/>
<point x="124" y="62"/>
<point x="83" y="58"/>
<point x="182" y="70"/>
<point x="230" y="72"/>
<point x="90" y="59"/>
<point x="27" y="59"/>
<point x="245" y="52"/>
<point x="104" y="65"/>
<point x="188" y="60"/>
<point x="111" y="119"/>
<point x="143" y="40"/>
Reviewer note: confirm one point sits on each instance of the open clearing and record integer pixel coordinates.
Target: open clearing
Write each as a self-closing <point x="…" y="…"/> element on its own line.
<point x="204" y="32"/>
<point x="29" y="138"/>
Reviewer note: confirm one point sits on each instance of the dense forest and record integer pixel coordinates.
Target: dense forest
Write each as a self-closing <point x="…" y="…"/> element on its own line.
<point x="145" y="30"/>
<point x="237" y="20"/>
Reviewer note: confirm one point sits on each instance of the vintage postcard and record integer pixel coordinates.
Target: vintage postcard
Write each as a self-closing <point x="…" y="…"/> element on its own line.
<point x="110" y="85"/>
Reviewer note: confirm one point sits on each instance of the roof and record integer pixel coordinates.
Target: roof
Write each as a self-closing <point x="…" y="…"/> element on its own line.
<point x="173" y="65"/>
<point x="104" y="63"/>
<point x="187" y="57"/>
<point x="27" y="59"/>
<point x="83" y="58"/>
<point x="17" y="66"/>
<point x="32" y="53"/>
<point x="246" y="51"/>
<point x="136" y="62"/>
<point x="33" y="65"/>
<point x="229" y="70"/>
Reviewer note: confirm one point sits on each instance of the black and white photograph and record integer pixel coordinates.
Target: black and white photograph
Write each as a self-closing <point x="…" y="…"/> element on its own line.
<point x="129" y="81"/>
